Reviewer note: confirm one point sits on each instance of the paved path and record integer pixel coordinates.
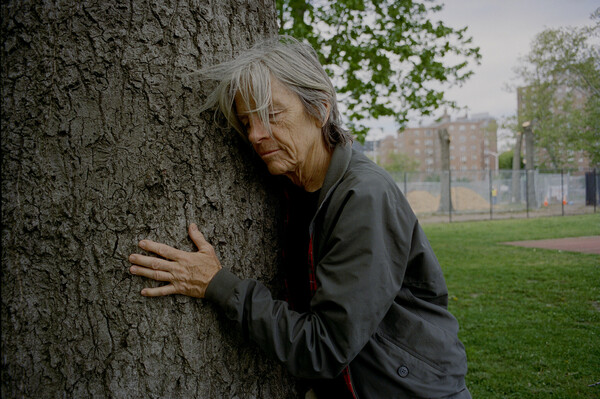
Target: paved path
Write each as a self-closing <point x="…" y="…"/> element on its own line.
<point x="588" y="245"/>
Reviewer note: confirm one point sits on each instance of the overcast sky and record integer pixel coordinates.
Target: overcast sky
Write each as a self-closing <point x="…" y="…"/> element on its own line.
<point x="503" y="29"/>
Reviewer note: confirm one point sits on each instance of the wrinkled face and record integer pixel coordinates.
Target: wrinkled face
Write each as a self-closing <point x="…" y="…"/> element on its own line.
<point x="294" y="133"/>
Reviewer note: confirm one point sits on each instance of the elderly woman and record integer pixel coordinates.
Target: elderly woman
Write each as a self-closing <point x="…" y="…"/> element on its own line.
<point x="367" y="312"/>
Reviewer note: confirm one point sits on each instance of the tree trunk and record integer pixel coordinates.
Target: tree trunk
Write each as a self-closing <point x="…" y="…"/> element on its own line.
<point x="445" y="197"/>
<point x="516" y="171"/>
<point x="530" y="167"/>
<point x="102" y="146"/>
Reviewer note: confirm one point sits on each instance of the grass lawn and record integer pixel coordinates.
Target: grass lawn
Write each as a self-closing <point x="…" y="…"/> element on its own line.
<point x="530" y="318"/>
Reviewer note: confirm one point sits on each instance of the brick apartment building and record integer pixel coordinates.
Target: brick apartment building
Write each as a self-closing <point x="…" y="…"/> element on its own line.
<point x="473" y="144"/>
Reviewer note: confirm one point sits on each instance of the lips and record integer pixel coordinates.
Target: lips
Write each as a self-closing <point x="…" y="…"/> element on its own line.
<point x="264" y="153"/>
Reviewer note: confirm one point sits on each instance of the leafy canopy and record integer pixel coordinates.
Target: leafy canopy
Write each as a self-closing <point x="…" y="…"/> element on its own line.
<point x="397" y="162"/>
<point x="505" y="160"/>
<point x="562" y="92"/>
<point x="385" y="57"/>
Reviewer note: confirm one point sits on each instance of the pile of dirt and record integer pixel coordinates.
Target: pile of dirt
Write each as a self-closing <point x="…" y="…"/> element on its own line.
<point x="463" y="199"/>
<point x="423" y="201"/>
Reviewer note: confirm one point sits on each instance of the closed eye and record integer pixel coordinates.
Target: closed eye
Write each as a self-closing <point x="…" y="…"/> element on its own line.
<point x="244" y="122"/>
<point x="274" y="116"/>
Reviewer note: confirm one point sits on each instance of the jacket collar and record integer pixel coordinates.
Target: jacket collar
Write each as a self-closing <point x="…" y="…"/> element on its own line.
<point x="340" y="159"/>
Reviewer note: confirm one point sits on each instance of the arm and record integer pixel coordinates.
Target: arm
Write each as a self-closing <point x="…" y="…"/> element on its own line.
<point x="359" y="274"/>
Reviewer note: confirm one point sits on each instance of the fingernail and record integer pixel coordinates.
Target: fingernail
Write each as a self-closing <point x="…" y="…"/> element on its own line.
<point x="193" y="226"/>
<point x="133" y="269"/>
<point x="142" y="244"/>
<point x="144" y="292"/>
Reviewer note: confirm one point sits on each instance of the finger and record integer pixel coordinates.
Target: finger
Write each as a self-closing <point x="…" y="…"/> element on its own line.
<point x="197" y="237"/>
<point x="159" y="291"/>
<point x="149" y="273"/>
<point x="151" y="262"/>
<point x="160" y="249"/>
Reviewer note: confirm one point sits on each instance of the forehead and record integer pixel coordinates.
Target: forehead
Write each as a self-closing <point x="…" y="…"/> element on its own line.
<point x="280" y="97"/>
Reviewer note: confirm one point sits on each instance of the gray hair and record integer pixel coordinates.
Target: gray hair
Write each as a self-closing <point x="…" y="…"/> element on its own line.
<point x="296" y="66"/>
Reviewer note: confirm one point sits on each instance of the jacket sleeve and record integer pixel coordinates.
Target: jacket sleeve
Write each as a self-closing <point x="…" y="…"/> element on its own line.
<point x="363" y="247"/>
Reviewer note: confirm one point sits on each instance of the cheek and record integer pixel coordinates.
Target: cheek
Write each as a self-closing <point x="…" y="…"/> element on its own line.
<point x="285" y="138"/>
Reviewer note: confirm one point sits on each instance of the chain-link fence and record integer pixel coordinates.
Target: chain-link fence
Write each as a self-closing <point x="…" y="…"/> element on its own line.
<point x="487" y="194"/>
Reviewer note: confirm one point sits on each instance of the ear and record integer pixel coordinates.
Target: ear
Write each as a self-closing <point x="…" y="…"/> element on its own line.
<point x="322" y="123"/>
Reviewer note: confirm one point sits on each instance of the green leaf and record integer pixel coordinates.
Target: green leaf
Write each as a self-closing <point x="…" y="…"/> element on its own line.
<point x="376" y="43"/>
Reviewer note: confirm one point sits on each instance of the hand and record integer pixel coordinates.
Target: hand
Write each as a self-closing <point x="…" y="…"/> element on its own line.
<point x="188" y="273"/>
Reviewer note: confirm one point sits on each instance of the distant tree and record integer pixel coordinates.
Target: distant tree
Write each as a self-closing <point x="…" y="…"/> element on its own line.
<point x="555" y="121"/>
<point x="386" y="57"/>
<point x="505" y="160"/>
<point x="510" y="123"/>
<point x="529" y="163"/>
<point x="445" y="198"/>
<point x="561" y="95"/>
<point x="395" y="162"/>
<point x="517" y="165"/>
<point x="588" y="138"/>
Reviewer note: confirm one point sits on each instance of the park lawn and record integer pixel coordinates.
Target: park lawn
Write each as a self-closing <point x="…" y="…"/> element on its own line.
<point x="529" y="318"/>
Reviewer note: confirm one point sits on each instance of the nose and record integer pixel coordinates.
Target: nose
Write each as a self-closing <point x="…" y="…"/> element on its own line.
<point x="257" y="131"/>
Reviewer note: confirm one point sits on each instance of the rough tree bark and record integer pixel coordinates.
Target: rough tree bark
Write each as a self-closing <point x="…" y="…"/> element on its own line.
<point x="445" y="197"/>
<point x="102" y="146"/>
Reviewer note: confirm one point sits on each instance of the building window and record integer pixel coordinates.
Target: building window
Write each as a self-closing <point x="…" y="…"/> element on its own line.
<point x="429" y="161"/>
<point x="428" y="142"/>
<point x="474" y="157"/>
<point x="463" y="148"/>
<point x="417" y="142"/>
<point x="462" y="139"/>
<point x="462" y="127"/>
<point x="417" y="152"/>
<point x="463" y="158"/>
